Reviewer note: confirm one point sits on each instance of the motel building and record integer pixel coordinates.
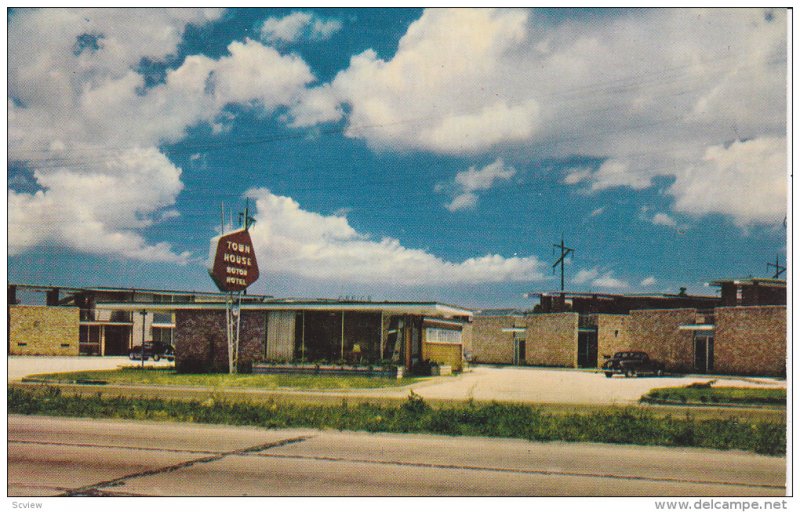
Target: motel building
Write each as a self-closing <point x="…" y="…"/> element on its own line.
<point x="742" y="331"/>
<point x="109" y="321"/>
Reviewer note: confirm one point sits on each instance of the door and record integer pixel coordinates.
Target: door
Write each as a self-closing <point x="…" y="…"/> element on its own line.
<point x="117" y="340"/>
<point x="703" y="353"/>
<point x="519" y="349"/>
<point x="587" y="349"/>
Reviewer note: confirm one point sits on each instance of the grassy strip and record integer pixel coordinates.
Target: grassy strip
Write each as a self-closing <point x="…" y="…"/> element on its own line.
<point x="628" y="426"/>
<point x="169" y="377"/>
<point x="705" y="394"/>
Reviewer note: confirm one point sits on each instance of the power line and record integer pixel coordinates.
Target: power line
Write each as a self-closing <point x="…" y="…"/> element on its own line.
<point x="778" y="268"/>
<point x="564" y="252"/>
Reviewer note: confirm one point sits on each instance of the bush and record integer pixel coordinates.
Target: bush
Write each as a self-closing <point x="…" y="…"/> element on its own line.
<point x="423" y="368"/>
<point x="415" y="405"/>
<point x="245" y="367"/>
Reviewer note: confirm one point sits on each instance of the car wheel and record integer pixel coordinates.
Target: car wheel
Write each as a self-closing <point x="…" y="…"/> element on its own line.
<point x="609" y="375"/>
<point x="156" y="357"/>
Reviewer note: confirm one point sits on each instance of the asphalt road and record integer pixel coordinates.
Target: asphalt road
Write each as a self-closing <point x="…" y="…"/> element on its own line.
<point x="69" y="456"/>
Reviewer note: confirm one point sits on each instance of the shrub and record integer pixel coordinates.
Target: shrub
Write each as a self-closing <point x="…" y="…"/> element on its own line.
<point x="415" y="404"/>
<point x="423" y="368"/>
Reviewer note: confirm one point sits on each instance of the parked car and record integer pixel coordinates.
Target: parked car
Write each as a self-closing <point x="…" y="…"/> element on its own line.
<point x="156" y="350"/>
<point x="632" y="364"/>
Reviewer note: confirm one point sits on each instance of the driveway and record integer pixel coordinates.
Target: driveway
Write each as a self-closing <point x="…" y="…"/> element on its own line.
<point x="565" y="386"/>
<point x="22" y="366"/>
<point x="482" y="383"/>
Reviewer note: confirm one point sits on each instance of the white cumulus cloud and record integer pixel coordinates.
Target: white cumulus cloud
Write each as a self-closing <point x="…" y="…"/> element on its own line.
<point x="299" y="25"/>
<point x="648" y="281"/>
<point x="646" y="93"/>
<point x="81" y="119"/>
<point x="291" y="240"/>
<point x="595" y="278"/>
<point x="466" y="183"/>
<point x="740" y="180"/>
<point x="662" y="219"/>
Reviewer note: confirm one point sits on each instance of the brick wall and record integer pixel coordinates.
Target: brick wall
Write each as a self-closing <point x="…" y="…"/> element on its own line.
<point x="612" y="336"/>
<point x="443" y="353"/>
<point x="552" y="340"/>
<point x="656" y="332"/>
<point x="750" y="340"/>
<point x="489" y="343"/>
<point x="201" y="344"/>
<point x="467" y="336"/>
<point x="44" y="330"/>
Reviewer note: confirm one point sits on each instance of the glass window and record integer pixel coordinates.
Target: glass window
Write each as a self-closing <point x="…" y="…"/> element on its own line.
<point x="163" y="335"/>
<point x="162" y="318"/>
<point x="436" y="335"/>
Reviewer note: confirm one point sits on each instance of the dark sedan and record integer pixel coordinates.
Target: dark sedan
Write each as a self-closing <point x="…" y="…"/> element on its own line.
<point x="632" y="364"/>
<point x="156" y="350"/>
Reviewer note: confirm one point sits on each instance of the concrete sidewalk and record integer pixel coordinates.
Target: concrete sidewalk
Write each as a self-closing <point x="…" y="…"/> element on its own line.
<point x="23" y="366"/>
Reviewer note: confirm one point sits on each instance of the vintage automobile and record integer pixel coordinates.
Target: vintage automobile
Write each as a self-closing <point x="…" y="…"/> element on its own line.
<point x="156" y="350"/>
<point x="632" y="364"/>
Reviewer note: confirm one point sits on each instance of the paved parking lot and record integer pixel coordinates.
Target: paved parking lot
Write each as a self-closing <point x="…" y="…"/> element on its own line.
<point x="541" y="385"/>
<point x="517" y="384"/>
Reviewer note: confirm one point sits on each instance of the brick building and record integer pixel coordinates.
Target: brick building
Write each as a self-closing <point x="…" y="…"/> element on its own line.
<point x="752" y="292"/>
<point x="688" y="333"/>
<point x="43" y="330"/>
<point x="37" y="314"/>
<point x="315" y="330"/>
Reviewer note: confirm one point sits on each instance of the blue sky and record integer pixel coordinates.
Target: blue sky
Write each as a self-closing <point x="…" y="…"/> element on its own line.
<point x="398" y="153"/>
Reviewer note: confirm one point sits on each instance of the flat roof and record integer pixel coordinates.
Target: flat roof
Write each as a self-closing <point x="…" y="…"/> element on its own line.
<point x="74" y="289"/>
<point x="411" y="308"/>
<point x="500" y="312"/>
<point x="766" y="281"/>
<point x="612" y="296"/>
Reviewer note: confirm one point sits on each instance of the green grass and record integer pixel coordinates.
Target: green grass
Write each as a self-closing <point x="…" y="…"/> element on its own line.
<point x="611" y="425"/>
<point x="169" y="377"/>
<point x="705" y="394"/>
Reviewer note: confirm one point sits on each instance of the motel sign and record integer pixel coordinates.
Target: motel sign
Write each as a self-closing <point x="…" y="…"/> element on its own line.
<point x="232" y="264"/>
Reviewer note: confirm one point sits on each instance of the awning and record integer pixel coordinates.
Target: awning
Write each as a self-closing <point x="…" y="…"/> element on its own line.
<point x="696" y="327"/>
<point x="513" y="329"/>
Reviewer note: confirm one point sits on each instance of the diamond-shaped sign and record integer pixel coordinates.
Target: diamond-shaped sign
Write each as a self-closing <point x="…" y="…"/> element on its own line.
<point x="232" y="261"/>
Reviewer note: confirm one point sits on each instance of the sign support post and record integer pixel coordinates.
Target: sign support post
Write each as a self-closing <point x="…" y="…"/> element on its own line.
<point x="233" y="317"/>
<point x="233" y="267"/>
<point x="144" y="317"/>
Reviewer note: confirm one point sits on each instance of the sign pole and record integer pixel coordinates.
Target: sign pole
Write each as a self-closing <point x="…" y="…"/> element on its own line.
<point x="144" y="316"/>
<point x="233" y="267"/>
<point x="236" y="339"/>
<point x="231" y="339"/>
